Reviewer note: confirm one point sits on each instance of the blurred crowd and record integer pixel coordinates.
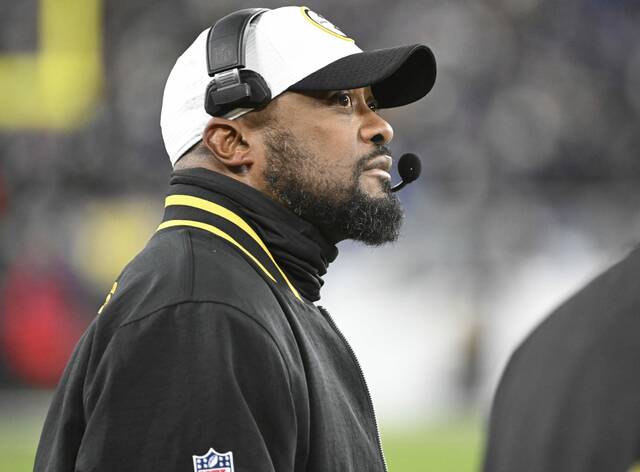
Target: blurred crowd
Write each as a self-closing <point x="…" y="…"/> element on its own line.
<point x="529" y="144"/>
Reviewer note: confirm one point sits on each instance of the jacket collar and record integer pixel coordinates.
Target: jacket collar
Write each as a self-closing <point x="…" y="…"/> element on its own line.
<point x="285" y="248"/>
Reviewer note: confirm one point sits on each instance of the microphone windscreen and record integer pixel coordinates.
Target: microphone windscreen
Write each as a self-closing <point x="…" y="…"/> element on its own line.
<point x="409" y="167"/>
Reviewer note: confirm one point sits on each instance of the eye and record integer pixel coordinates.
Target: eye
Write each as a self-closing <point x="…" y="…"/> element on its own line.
<point x="343" y="99"/>
<point x="373" y="106"/>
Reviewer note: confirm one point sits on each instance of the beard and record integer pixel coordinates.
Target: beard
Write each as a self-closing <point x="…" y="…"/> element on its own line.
<point x="340" y="210"/>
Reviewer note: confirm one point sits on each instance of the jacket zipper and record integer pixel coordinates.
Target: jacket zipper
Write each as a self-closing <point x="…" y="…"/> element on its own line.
<point x="328" y="317"/>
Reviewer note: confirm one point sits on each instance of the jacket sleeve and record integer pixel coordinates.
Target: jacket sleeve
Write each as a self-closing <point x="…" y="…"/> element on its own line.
<point x="182" y="381"/>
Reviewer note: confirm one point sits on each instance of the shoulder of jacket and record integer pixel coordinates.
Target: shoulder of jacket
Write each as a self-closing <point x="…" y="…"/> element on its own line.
<point x="183" y="265"/>
<point x="192" y="331"/>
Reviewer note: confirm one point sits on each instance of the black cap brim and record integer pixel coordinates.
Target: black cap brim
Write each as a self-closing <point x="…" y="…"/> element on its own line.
<point x="397" y="76"/>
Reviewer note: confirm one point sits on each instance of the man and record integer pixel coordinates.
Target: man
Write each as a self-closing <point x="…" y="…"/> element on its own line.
<point x="209" y="353"/>
<point x="569" y="399"/>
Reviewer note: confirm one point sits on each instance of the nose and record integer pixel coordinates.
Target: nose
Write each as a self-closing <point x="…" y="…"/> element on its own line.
<point x="376" y="129"/>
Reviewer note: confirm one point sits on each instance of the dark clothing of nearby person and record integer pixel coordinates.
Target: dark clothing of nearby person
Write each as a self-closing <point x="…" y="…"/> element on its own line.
<point x="210" y="340"/>
<point x="569" y="399"/>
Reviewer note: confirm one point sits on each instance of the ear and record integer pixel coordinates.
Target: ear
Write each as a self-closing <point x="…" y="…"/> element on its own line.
<point x="227" y="141"/>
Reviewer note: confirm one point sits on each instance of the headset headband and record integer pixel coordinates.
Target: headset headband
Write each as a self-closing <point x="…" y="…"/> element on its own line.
<point x="226" y="40"/>
<point x="232" y="86"/>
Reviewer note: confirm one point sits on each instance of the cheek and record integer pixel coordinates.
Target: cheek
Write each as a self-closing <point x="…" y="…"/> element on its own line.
<point x="337" y="148"/>
<point x="331" y="141"/>
<point x="333" y="167"/>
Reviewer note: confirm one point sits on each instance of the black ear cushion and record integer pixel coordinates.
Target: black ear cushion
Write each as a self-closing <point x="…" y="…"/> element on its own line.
<point x="260" y="92"/>
<point x="260" y="95"/>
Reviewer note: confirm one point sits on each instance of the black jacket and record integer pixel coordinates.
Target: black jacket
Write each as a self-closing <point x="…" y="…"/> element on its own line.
<point x="205" y="343"/>
<point x="569" y="399"/>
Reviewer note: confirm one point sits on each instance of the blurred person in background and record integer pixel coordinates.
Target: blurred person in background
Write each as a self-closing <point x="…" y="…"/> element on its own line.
<point x="209" y="352"/>
<point x="42" y="315"/>
<point x="569" y="398"/>
<point x="3" y="205"/>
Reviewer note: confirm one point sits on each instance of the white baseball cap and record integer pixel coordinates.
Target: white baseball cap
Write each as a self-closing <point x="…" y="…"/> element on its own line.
<point x="292" y="48"/>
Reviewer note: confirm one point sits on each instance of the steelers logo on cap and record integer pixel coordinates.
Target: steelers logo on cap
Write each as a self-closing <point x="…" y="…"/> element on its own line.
<point x="321" y="22"/>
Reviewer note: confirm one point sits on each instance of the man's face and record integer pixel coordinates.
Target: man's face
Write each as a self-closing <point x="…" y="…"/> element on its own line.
<point x="326" y="159"/>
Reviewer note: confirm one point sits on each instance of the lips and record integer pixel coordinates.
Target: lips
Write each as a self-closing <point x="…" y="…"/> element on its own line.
<point x="381" y="162"/>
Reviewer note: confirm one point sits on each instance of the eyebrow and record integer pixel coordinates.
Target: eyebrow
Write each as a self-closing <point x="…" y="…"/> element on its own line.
<point x="324" y="94"/>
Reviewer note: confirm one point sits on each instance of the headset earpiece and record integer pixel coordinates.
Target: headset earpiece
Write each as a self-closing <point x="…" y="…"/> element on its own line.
<point x="251" y="92"/>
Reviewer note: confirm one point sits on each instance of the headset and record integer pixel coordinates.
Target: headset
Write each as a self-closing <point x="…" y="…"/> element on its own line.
<point x="232" y="86"/>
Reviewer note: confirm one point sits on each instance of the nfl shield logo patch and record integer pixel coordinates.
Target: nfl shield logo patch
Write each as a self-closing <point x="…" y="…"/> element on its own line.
<point x="213" y="461"/>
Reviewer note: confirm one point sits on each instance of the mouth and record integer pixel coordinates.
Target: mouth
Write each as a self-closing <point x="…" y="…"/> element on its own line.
<point x="379" y="167"/>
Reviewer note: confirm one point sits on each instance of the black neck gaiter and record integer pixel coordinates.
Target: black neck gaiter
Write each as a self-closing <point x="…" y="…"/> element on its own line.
<point x="298" y="247"/>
